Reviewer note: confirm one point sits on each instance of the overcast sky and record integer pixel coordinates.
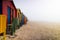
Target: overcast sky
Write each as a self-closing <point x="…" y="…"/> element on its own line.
<point x="40" y="10"/>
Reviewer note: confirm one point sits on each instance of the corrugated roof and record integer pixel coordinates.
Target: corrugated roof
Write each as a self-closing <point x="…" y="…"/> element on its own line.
<point x="13" y="4"/>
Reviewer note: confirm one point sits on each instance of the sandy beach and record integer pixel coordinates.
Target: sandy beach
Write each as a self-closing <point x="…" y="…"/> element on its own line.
<point x="38" y="31"/>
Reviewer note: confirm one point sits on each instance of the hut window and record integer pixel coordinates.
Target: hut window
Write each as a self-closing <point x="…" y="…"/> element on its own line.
<point x="0" y="7"/>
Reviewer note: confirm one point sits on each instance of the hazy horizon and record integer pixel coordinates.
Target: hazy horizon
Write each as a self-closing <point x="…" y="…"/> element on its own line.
<point x="40" y="10"/>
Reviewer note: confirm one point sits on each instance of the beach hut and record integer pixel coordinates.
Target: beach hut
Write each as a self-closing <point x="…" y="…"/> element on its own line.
<point x="8" y="9"/>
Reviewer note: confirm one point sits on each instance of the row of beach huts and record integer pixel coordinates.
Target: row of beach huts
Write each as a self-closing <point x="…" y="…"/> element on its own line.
<point x="11" y="18"/>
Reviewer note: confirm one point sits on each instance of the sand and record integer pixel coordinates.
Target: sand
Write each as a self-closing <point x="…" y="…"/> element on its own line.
<point x="38" y="31"/>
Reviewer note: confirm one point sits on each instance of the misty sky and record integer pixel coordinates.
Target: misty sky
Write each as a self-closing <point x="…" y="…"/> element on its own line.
<point x="40" y="10"/>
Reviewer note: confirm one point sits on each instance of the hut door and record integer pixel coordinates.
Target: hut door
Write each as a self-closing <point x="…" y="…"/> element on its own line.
<point x="9" y="15"/>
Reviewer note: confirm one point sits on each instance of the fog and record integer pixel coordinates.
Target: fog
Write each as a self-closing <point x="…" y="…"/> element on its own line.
<point x="40" y="10"/>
